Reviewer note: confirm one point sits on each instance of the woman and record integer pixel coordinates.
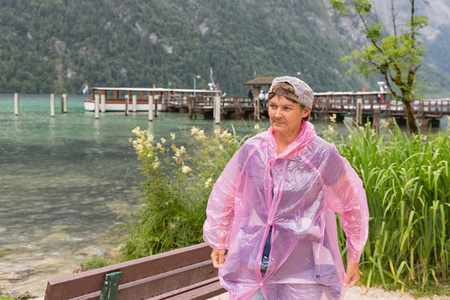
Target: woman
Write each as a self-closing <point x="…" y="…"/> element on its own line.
<point x="274" y="209"/>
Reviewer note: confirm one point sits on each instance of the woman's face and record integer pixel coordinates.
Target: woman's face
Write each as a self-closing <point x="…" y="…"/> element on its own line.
<point x="286" y="115"/>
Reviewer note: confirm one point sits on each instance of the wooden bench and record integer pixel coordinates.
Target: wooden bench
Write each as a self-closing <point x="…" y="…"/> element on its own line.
<point x="185" y="273"/>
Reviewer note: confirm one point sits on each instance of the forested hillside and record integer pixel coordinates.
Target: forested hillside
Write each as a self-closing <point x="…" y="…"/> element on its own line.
<point x="58" y="45"/>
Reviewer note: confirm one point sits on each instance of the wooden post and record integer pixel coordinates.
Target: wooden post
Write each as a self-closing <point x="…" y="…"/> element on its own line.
<point x="96" y="108"/>
<point x="256" y="104"/>
<point x="16" y="104"/>
<point x="134" y="104"/>
<point x="217" y="109"/>
<point x="52" y="105"/>
<point x="127" y="103"/>
<point x="156" y="104"/>
<point x="150" y="107"/>
<point x="103" y="101"/>
<point x="64" y="103"/>
<point x="376" y="118"/>
<point x="359" y="110"/>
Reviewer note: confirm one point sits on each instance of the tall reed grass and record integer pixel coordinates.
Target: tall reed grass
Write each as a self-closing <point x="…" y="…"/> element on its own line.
<point x="407" y="182"/>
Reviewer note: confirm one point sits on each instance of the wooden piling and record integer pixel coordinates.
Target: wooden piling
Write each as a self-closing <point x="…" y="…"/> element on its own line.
<point x="96" y="107"/>
<point x="191" y="107"/>
<point x="150" y="107"/>
<point x="103" y="102"/>
<point x="256" y="104"/>
<point x="359" y="110"/>
<point x="16" y="104"/>
<point x="134" y="104"/>
<point x="376" y="118"/>
<point x="127" y="104"/>
<point x="52" y="105"/>
<point x="64" y="103"/>
<point x="156" y="104"/>
<point x="217" y="109"/>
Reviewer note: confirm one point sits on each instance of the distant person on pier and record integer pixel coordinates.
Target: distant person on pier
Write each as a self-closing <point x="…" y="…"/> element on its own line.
<point x="273" y="209"/>
<point x="261" y="95"/>
<point x="261" y="98"/>
<point x="250" y="94"/>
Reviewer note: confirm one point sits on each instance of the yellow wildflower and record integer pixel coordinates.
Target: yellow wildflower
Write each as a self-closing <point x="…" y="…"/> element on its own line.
<point x="194" y="130"/>
<point x="201" y="136"/>
<point x="185" y="169"/>
<point x="208" y="183"/>
<point x="333" y="118"/>
<point x="149" y="137"/>
<point x="136" y="130"/>
<point x="256" y="127"/>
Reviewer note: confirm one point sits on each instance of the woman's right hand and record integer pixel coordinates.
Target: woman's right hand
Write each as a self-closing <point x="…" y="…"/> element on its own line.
<point x="218" y="257"/>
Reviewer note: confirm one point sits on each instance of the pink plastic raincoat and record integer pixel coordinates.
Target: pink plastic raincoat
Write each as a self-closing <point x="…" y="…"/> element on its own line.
<point x="296" y="193"/>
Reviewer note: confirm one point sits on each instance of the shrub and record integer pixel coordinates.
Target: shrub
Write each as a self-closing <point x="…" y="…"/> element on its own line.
<point x="178" y="182"/>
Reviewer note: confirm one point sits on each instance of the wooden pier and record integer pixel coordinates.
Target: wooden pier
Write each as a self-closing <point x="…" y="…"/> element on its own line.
<point x="344" y="104"/>
<point x="195" y="102"/>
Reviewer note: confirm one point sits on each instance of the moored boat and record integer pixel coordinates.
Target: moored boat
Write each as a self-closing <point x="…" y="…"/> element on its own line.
<point x="138" y="98"/>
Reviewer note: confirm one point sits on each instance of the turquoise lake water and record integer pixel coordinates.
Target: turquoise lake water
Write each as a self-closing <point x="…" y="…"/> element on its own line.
<point x="64" y="181"/>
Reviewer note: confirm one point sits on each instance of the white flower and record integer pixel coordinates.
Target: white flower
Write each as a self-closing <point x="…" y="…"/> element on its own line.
<point x="163" y="140"/>
<point x="217" y="131"/>
<point x="182" y="149"/>
<point x="256" y="127"/>
<point x="149" y="137"/>
<point x="136" y="130"/>
<point x="172" y="135"/>
<point x="159" y="146"/>
<point x="185" y="169"/>
<point x="155" y="164"/>
<point x="178" y="153"/>
<point x="194" y="130"/>
<point x="208" y="183"/>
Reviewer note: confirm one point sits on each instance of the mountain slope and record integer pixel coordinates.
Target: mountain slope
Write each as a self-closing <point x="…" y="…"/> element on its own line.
<point x="58" y="45"/>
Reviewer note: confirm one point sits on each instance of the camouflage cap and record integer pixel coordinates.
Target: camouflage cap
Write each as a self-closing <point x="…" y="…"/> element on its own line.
<point x="303" y="93"/>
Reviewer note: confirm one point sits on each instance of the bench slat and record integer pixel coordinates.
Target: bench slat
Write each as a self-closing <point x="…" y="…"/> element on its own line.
<point x="202" y="290"/>
<point x="80" y="284"/>
<point x="169" y="281"/>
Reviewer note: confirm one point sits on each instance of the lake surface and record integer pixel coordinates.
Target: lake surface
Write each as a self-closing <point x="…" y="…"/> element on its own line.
<point x="65" y="181"/>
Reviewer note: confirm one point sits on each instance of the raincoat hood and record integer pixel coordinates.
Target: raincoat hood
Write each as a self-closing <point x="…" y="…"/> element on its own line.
<point x="292" y="198"/>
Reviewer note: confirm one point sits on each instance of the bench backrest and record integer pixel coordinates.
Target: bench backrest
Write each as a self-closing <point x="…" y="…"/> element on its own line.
<point x="142" y="278"/>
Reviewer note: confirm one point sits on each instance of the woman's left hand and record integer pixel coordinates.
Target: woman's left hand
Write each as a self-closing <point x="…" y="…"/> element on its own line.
<point x="352" y="275"/>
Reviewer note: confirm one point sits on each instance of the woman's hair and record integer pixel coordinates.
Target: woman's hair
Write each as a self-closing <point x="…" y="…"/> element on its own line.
<point x="285" y="88"/>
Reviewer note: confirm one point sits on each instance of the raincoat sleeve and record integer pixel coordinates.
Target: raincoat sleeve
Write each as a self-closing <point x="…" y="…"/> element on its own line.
<point x="220" y="209"/>
<point x="347" y="197"/>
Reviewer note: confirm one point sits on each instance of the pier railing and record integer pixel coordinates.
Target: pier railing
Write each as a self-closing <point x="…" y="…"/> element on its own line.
<point x="373" y="102"/>
<point x="203" y="102"/>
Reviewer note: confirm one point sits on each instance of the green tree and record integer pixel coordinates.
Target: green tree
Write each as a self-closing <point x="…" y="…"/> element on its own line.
<point x="397" y="57"/>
